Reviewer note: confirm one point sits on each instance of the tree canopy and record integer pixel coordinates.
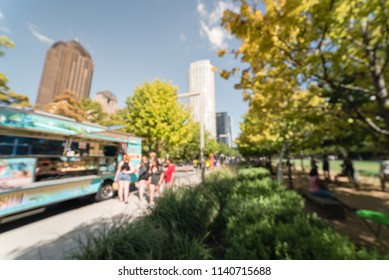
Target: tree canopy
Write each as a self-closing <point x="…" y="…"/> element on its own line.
<point x="154" y="113"/>
<point x="93" y="111"/>
<point x="68" y="105"/>
<point x="341" y="48"/>
<point x="8" y="97"/>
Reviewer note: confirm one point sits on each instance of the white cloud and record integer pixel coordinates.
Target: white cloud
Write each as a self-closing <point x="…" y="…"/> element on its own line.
<point x="41" y="37"/>
<point x="202" y="10"/>
<point x="5" y="29"/>
<point x="216" y="35"/>
<point x="210" y="23"/>
<point x="182" y="37"/>
<point x="1" y="15"/>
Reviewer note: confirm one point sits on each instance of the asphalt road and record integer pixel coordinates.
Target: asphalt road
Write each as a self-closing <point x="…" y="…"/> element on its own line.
<point x="56" y="233"/>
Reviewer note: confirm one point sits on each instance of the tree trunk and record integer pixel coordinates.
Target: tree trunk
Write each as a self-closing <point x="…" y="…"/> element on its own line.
<point x="280" y="176"/>
<point x="302" y="161"/>
<point x="270" y="166"/>
<point x="290" y="180"/>
<point x="382" y="96"/>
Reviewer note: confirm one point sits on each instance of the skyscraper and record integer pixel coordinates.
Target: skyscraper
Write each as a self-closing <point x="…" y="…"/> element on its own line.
<point x="202" y="79"/>
<point x="108" y="101"/>
<point x="224" y="128"/>
<point x="68" y="66"/>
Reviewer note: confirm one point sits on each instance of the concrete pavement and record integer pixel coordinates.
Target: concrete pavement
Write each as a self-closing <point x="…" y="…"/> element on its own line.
<point x="57" y="236"/>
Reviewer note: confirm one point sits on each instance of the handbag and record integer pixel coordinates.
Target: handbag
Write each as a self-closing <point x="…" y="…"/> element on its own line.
<point x="115" y="186"/>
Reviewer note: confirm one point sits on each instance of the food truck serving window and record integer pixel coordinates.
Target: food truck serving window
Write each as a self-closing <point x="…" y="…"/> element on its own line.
<point x="17" y="146"/>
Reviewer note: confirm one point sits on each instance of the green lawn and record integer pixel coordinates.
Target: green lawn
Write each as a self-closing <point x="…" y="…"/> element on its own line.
<point x="363" y="167"/>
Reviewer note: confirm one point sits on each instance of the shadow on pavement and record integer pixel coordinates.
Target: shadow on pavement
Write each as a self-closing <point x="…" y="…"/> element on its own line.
<point x="63" y="247"/>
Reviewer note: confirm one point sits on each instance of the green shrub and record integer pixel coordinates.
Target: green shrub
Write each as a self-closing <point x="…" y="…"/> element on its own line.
<point x="232" y="215"/>
<point x="307" y="238"/>
<point x="303" y="238"/>
<point x="253" y="173"/>
<point x="249" y="241"/>
<point x="189" y="211"/>
<point x="255" y="187"/>
<point x="371" y="254"/>
<point x="138" y="240"/>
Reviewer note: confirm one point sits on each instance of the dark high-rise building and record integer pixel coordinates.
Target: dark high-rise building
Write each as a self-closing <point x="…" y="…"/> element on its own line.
<point x="223" y="128"/>
<point x="68" y="66"/>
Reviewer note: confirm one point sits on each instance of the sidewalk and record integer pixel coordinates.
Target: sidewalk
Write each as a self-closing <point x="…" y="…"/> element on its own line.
<point x="55" y="237"/>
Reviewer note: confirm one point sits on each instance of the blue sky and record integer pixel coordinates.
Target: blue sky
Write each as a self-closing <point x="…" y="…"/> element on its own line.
<point x="130" y="42"/>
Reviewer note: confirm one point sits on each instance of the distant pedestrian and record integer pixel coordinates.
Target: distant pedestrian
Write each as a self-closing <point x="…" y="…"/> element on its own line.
<point x="155" y="180"/>
<point x="348" y="171"/>
<point x="123" y="176"/>
<point x="196" y="164"/>
<point x="326" y="168"/>
<point x="313" y="180"/>
<point x="169" y="173"/>
<point x="313" y="162"/>
<point x="144" y="175"/>
<point x="207" y="164"/>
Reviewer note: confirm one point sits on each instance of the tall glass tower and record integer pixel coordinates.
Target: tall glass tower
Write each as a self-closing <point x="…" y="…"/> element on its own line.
<point x="202" y="79"/>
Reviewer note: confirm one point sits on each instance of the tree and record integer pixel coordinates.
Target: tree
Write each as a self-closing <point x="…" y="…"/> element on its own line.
<point x="191" y="149"/>
<point x="343" y="46"/>
<point x="153" y="112"/>
<point x="93" y="111"/>
<point x="8" y="97"/>
<point x="67" y="105"/>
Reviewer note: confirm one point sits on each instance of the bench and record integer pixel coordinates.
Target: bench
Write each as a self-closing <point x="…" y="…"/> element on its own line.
<point x="325" y="207"/>
<point x="378" y="219"/>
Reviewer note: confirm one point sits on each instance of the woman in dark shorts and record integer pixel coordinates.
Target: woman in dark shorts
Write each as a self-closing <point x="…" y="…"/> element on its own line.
<point x="155" y="180"/>
<point x="123" y="176"/>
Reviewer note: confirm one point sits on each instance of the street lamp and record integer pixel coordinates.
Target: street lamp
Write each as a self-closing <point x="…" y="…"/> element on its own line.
<point x="202" y="142"/>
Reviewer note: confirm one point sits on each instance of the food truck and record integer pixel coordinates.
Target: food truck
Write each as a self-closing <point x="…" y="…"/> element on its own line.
<point x="47" y="158"/>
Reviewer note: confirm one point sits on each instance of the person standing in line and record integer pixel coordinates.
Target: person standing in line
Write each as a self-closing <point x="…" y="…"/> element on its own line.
<point x="155" y="180"/>
<point x="169" y="173"/>
<point x="153" y="156"/>
<point x="123" y="176"/>
<point x="143" y="179"/>
<point x="326" y="168"/>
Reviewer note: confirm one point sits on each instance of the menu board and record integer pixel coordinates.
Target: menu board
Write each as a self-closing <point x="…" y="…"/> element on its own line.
<point x="16" y="172"/>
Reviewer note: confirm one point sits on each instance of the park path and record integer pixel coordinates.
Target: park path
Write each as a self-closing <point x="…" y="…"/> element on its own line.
<point x="368" y="197"/>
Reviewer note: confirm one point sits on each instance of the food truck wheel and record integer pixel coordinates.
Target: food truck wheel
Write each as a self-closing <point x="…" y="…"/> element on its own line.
<point x="105" y="192"/>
